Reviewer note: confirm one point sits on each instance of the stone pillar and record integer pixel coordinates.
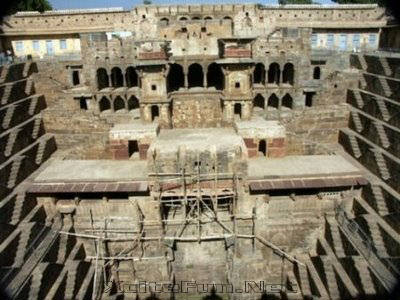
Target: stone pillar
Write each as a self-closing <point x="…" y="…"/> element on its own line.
<point x="205" y="79"/>
<point x="228" y="110"/>
<point x="186" y="80"/>
<point x="124" y="77"/>
<point x="110" y="80"/>
<point x="246" y="110"/>
<point x="164" y="115"/>
<point x="146" y="112"/>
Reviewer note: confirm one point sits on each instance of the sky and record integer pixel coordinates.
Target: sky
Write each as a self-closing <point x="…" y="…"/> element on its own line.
<point x="71" y="4"/>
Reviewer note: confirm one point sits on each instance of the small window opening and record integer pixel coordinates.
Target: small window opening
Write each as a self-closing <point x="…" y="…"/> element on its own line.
<point x="203" y="29"/>
<point x="153" y="87"/>
<point x="133" y="148"/>
<point x="309" y="98"/>
<point x="83" y="104"/>
<point x="75" y="78"/>
<point x="237" y="85"/>
<point x="262" y="148"/>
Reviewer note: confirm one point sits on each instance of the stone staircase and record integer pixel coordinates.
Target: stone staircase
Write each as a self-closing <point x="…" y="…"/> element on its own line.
<point x="381" y="206"/>
<point x="28" y="87"/>
<point x="332" y="235"/>
<point x="331" y="283"/>
<point x="382" y="134"/>
<point x="18" y="206"/>
<point x="359" y="99"/>
<point x="12" y="137"/>
<point x="6" y="95"/>
<point x="36" y="127"/>
<point x="377" y="239"/>
<point x="383" y="109"/>
<point x="385" y="87"/>
<point x="385" y="66"/>
<point x="380" y="160"/>
<point x="8" y="117"/>
<point x="13" y="177"/>
<point x="354" y="145"/>
<point x="36" y="281"/>
<point x="365" y="275"/>
<point x="363" y="62"/>
<point x="40" y="151"/>
<point x="23" y="244"/>
<point x="357" y="121"/>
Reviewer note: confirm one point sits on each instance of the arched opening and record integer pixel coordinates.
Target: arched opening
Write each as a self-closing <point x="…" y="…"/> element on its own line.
<point x="259" y="74"/>
<point x="274" y="73"/>
<point x="75" y="78"/>
<point x="262" y="147"/>
<point x="196" y="18"/>
<point x="104" y="104"/>
<point x="287" y="102"/>
<point x="155" y="112"/>
<point x="215" y="77"/>
<point x="273" y="102"/>
<point x="258" y="103"/>
<point x="317" y="73"/>
<point x="227" y="18"/>
<point x="119" y="104"/>
<point x="183" y="19"/>
<point x="176" y="78"/>
<point x="238" y="110"/>
<point x="195" y="75"/>
<point x="131" y="77"/>
<point x="133" y="103"/>
<point x="288" y="74"/>
<point x="117" y="79"/>
<point x="165" y="21"/>
<point x="208" y="18"/>
<point x="102" y="79"/>
<point x="133" y="148"/>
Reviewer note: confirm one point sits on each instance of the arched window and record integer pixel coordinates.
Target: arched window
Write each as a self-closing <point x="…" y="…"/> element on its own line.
<point x="227" y="18"/>
<point x="196" y="18"/>
<point x="259" y="102"/>
<point x="317" y="73"/>
<point x="155" y="112"/>
<point x="208" y="18"/>
<point x="288" y="74"/>
<point x="131" y="77"/>
<point x="102" y="79"/>
<point x="273" y="102"/>
<point x="104" y="104"/>
<point x="259" y="74"/>
<point x="117" y="78"/>
<point x="195" y="75"/>
<point x="133" y="103"/>
<point x="183" y="19"/>
<point x="176" y="78"/>
<point x="274" y="73"/>
<point x="164" y="21"/>
<point x="119" y="104"/>
<point x="287" y="102"/>
<point x="215" y="77"/>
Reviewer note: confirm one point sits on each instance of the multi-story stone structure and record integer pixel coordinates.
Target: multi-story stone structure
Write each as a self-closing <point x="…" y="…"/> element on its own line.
<point x="198" y="138"/>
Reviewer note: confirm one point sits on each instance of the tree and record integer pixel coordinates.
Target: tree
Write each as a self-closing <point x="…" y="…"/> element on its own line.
<point x="284" y="2"/>
<point x="26" y="5"/>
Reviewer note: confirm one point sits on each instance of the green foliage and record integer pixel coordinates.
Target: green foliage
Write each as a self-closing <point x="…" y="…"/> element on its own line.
<point x="284" y="2"/>
<point x="357" y="1"/>
<point x="28" y="5"/>
<point x="147" y="2"/>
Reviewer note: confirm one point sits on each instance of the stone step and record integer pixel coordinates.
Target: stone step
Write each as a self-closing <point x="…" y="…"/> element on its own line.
<point x="331" y="283"/>
<point x="383" y="109"/>
<point x="366" y="280"/>
<point x="363" y="62"/>
<point x="319" y="285"/>
<point x="40" y="151"/>
<point x="385" y="86"/>
<point x="28" y="87"/>
<point x="36" y="282"/>
<point x="377" y="238"/>
<point x="12" y="137"/>
<point x="13" y="176"/>
<point x="382" y="208"/>
<point x="36" y="127"/>
<point x="18" y="206"/>
<point x="71" y="279"/>
<point x="303" y="280"/>
<point x="22" y="244"/>
<point x="380" y="161"/>
<point x="357" y="121"/>
<point x="27" y="66"/>
<point x="359" y="99"/>
<point x="385" y="66"/>
<point x="336" y="238"/>
<point x="354" y="145"/>
<point x="6" y="95"/>
<point x="382" y="134"/>
<point x="33" y="104"/>
<point x="8" y="117"/>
